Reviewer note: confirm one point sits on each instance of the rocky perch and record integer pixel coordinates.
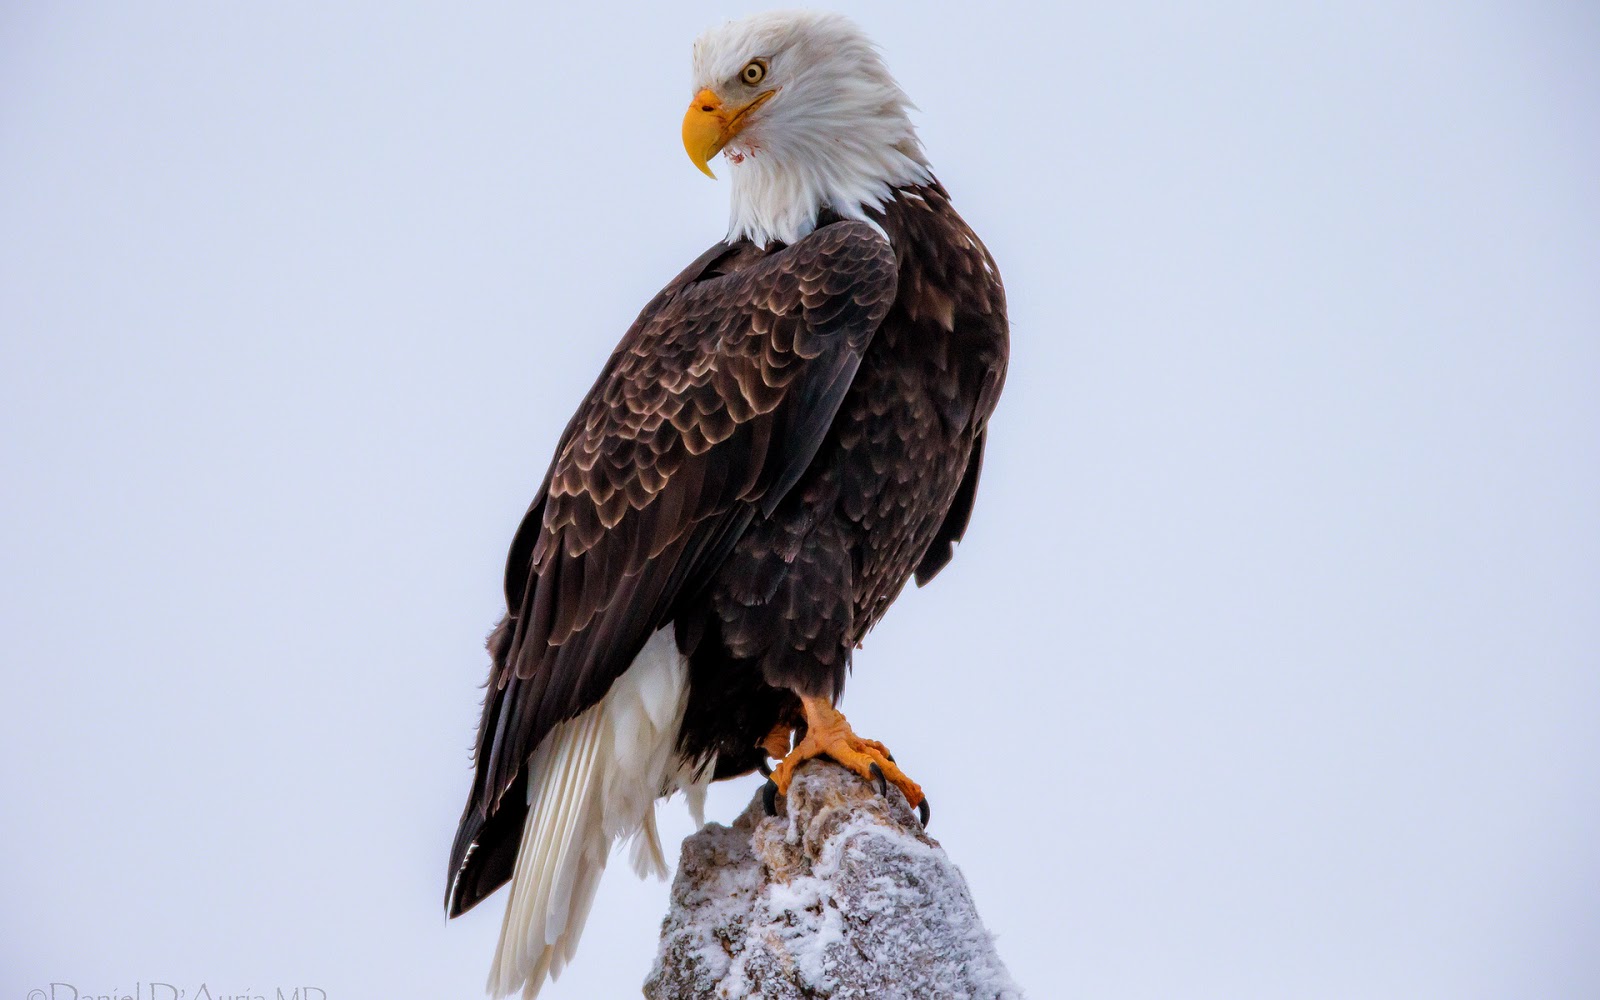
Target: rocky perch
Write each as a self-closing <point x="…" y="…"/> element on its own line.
<point x="840" y="896"/>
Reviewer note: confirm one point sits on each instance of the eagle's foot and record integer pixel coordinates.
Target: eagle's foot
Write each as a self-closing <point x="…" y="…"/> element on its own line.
<point x="776" y="743"/>
<point x="829" y="735"/>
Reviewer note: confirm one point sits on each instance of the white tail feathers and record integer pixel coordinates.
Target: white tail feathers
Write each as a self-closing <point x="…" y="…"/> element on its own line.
<point x="593" y="780"/>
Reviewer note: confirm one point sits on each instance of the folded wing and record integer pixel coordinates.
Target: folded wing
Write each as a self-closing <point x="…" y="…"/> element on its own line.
<point x="708" y="412"/>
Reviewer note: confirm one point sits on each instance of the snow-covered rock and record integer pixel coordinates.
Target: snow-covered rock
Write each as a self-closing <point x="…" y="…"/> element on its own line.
<point x="840" y="896"/>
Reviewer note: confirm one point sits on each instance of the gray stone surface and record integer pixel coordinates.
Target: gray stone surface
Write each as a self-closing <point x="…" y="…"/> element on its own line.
<point x="841" y="896"/>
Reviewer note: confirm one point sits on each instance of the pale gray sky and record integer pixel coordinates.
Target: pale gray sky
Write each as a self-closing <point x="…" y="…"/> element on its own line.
<point x="1270" y="667"/>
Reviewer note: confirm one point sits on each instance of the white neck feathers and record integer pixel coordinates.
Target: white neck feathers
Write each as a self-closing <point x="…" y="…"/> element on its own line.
<point x="778" y="196"/>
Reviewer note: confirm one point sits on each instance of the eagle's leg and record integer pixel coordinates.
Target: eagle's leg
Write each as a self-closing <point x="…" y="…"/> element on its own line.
<point x="776" y="745"/>
<point x="829" y="735"/>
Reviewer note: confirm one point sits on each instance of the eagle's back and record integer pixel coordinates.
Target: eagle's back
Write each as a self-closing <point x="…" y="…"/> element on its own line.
<point x="886" y="497"/>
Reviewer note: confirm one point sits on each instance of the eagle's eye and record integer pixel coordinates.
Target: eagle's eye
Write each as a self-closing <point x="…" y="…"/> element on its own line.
<point x="754" y="72"/>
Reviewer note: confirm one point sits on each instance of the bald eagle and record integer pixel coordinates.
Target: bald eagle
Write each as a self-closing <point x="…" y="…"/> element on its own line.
<point x="790" y="431"/>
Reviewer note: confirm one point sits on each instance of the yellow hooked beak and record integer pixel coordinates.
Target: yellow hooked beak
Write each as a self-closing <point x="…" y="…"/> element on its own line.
<point x="708" y="126"/>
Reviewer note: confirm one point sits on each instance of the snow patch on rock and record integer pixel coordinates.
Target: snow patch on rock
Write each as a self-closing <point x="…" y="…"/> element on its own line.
<point x="841" y="896"/>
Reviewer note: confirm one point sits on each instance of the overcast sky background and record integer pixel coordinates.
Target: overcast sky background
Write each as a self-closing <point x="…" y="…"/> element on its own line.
<point x="1270" y="667"/>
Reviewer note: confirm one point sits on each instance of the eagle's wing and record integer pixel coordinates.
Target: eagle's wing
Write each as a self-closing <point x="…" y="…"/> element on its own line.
<point x="982" y="334"/>
<point x="708" y="412"/>
<point x="954" y="527"/>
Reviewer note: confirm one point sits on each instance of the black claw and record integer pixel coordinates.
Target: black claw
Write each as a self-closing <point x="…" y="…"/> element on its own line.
<point x="889" y="755"/>
<point x="922" y="811"/>
<point x="883" y="783"/>
<point x="769" y="798"/>
<point x="764" y="767"/>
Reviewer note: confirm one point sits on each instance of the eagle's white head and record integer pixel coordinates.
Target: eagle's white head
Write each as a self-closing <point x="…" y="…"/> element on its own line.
<point x="803" y="108"/>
